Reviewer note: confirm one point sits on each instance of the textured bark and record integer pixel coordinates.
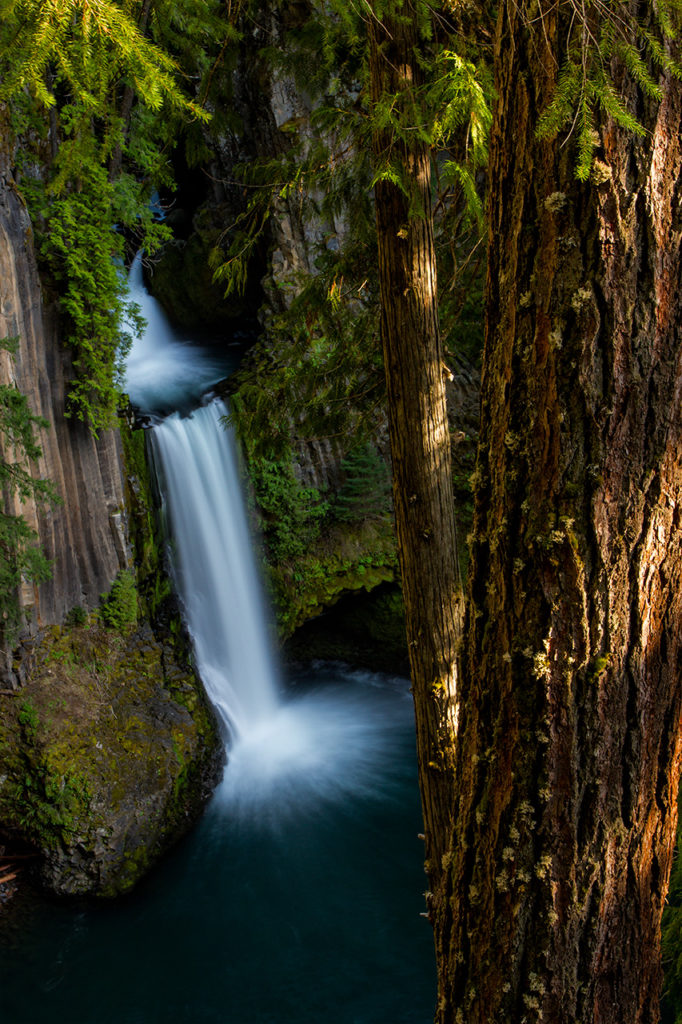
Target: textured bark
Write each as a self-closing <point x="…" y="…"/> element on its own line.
<point x="569" y="750"/>
<point x="85" y="537"/>
<point x="419" y="434"/>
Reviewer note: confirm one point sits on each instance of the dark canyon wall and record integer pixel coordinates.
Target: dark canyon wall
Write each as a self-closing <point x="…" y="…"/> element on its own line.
<point x="85" y="536"/>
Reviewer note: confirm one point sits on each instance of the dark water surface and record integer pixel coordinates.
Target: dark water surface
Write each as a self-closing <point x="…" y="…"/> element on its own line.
<point x="295" y="900"/>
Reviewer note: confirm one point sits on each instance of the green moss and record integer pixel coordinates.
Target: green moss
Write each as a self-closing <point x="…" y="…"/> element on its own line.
<point x="100" y="766"/>
<point x="356" y="557"/>
<point x="153" y="585"/>
<point x="134" y="865"/>
<point x="598" y="666"/>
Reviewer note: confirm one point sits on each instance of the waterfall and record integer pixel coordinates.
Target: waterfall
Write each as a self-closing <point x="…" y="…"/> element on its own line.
<point x="321" y="745"/>
<point x="213" y="565"/>
<point x="164" y="373"/>
<point x="211" y="553"/>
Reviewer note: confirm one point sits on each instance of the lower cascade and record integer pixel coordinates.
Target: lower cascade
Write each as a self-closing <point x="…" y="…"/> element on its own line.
<point x="213" y="565"/>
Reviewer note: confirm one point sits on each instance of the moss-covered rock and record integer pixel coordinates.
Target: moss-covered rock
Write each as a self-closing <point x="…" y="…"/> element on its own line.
<point x="153" y="585"/>
<point x="107" y="755"/>
<point x="345" y="558"/>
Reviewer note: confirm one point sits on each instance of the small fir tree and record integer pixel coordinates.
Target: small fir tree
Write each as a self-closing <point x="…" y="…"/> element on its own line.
<point x="366" y="491"/>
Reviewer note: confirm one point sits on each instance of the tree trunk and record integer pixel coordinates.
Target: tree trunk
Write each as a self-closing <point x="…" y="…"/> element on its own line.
<point x="420" y="440"/>
<point x="569" y="750"/>
<point x="116" y="159"/>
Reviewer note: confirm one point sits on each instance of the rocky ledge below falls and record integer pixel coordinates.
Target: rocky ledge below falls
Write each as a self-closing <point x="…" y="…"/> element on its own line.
<point x="107" y="756"/>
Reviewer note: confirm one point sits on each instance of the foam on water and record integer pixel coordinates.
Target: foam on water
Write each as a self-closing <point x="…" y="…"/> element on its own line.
<point x="335" y="742"/>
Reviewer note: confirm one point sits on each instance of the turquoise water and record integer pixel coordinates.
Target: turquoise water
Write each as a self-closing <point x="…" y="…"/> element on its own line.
<point x="296" y="900"/>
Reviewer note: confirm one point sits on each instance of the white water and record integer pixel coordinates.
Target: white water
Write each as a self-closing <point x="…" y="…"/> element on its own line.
<point x="163" y="372"/>
<point x="213" y="565"/>
<point x="211" y="552"/>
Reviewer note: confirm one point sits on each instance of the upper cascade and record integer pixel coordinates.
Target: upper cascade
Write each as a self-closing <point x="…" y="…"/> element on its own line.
<point x="163" y="372"/>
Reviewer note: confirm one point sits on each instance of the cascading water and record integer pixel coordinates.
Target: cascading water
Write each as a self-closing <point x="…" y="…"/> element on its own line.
<point x="213" y="565"/>
<point x="284" y="756"/>
<point x="163" y="373"/>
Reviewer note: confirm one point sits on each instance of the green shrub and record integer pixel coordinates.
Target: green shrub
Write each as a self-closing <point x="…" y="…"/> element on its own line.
<point x="118" y="608"/>
<point x="291" y="515"/>
<point x="77" y="616"/>
<point x="366" y="491"/>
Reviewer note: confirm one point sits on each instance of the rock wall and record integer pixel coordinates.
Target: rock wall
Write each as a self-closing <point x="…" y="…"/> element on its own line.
<point x="85" y="537"/>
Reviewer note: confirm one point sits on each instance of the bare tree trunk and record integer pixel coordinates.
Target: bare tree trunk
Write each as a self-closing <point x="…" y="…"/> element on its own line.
<point x="569" y="750"/>
<point x="420" y="441"/>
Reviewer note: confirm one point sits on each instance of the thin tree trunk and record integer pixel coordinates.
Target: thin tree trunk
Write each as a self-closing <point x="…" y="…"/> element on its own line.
<point x="569" y="750"/>
<point x="420" y="441"/>
<point x="116" y="160"/>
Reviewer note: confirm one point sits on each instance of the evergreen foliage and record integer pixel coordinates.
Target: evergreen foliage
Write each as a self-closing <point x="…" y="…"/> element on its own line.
<point x="96" y="103"/>
<point x="366" y="490"/>
<point x="118" y="608"/>
<point x="327" y="367"/>
<point x="290" y="515"/>
<point x="20" y="557"/>
<point x="607" y="38"/>
<point x="84" y="46"/>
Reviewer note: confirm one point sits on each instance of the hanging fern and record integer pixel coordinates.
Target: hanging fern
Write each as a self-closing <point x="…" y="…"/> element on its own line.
<point x="585" y="83"/>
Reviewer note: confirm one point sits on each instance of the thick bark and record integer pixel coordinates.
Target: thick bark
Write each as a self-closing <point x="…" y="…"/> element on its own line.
<point x="569" y="751"/>
<point x="420" y="440"/>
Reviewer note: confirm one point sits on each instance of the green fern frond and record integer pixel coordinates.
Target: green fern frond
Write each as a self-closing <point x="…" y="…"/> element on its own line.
<point x="457" y="173"/>
<point x="606" y="96"/>
<point x="633" y="61"/>
<point x="562" y="109"/>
